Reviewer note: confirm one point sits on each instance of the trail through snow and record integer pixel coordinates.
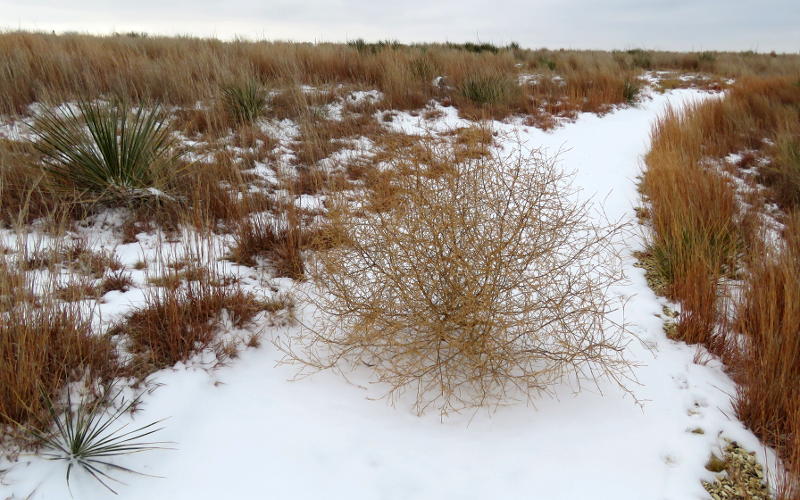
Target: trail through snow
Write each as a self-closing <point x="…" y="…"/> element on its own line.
<point x="246" y="432"/>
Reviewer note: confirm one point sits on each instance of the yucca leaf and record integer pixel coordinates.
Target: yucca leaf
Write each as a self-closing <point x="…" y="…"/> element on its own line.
<point x="83" y="436"/>
<point x="108" y="151"/>
<point x="244" y="101"/>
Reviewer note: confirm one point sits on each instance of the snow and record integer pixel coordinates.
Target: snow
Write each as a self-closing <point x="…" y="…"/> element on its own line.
<point x="248" y="430"/>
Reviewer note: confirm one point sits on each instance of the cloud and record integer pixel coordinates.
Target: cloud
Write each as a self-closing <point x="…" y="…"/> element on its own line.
<point x="659" y="24"/>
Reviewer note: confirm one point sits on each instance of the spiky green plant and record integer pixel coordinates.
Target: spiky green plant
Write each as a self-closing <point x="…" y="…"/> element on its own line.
<point x="83" y="437"/>
<point x="245" y="102"/>
<point x="107" y="151"/>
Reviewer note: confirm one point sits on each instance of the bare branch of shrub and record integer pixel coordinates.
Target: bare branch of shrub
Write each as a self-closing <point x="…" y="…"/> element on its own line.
<point x="485" y="283"/>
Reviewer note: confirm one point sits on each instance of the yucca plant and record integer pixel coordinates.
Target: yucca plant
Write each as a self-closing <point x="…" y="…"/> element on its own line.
<point x="244" y="102"/>
<point x="83" y="436"/>
<point x="109" y="152"/>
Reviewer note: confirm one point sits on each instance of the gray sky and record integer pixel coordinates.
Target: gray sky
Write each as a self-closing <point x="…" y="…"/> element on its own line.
<point x="614" y="24"/>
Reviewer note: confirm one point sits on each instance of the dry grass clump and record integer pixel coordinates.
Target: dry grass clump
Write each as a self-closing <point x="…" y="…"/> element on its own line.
<point x="319" y="138"/>
<point x="482" y="284"/>
<point x="489" y="89"/>
<point x="295" y="101"/>
<point x="44" y="344"/>
<point x="783" y="173"/>
<point x="73" y="255"/>
<point x="86" y="288"/>
<point x="177" y="322"/>
<point x="219" y="194"/>
<point x="280" y="240"/>
<point x="695" y="234"/>
<point x="13" y="285"/>
<point x="24" y="195"/>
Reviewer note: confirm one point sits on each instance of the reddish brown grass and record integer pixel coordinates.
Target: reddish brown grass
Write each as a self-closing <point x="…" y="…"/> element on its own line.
<point x="44" y="344"/>
<point x="701" y="235"/>
<point x="184" y="71"/>
<point x="177" y="322"/>
<point x="769" y="367"/>
<point x="279" y="240"/>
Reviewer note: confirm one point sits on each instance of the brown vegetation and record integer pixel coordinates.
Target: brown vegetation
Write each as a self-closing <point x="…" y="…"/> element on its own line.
<point x="179" y="321"/>
<point x="44" y="344"/>
<point x="703" y="236"/>
<point x="483" y="283"/>
<point x="476" y="77"/>
<point x="461" y="337"/>
<point x="280" y="240"/>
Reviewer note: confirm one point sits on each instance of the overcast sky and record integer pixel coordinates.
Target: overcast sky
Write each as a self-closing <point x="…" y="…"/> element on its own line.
<point x="613" y="24"/>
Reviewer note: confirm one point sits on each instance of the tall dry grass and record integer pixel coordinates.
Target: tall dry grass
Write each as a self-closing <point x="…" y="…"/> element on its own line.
<point x="704" y="236"/>
<point x="695" y="237"/>
<point x="38" y="67"/>
<point x="769" y="317"/>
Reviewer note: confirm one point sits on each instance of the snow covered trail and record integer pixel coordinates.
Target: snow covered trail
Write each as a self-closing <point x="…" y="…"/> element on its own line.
<point x="245" y="432"/>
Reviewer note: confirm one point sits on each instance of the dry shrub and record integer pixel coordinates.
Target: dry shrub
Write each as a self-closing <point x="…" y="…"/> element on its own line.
<point x="482" y="284"/>
<point x="199" y="121"/>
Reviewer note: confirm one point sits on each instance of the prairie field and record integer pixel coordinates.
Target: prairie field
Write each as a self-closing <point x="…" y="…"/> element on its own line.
<point x="248" y="269"/>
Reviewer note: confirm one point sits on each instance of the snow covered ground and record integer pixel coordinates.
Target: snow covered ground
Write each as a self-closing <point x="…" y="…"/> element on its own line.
<point x="245" y="431"/>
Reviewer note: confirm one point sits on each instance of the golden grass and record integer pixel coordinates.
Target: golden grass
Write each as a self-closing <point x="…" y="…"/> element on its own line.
<point x="24" y="195"/>
<point x="278" y="239"/>
<point x="185" y="70"/>
<point x="701" y="234"/>
<point x="769" y="316"/>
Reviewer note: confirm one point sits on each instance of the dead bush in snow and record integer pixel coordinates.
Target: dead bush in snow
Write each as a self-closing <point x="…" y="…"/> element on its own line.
<point x="484" y="284"/>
